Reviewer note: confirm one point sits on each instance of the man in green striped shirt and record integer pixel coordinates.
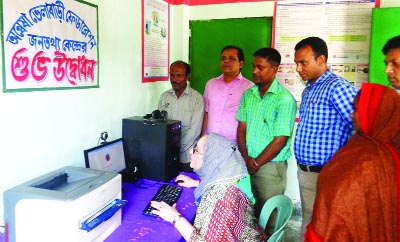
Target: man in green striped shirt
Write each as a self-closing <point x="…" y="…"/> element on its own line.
<point x="266" y="118"/>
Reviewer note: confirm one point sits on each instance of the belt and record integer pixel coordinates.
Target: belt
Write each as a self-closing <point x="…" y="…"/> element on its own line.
<point x="308" y="168"/>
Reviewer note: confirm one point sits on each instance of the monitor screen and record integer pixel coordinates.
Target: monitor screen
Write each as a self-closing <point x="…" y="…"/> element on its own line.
<point x="106" y="157"/>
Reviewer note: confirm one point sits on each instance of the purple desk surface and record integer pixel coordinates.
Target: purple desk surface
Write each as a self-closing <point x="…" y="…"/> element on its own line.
<point x="138" y="227"/>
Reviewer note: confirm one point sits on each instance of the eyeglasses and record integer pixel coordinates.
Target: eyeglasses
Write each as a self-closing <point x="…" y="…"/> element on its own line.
<point x="195" y="150"/>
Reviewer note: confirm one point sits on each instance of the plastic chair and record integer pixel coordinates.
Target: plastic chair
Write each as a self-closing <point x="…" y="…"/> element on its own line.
<point x="284" y="207"/>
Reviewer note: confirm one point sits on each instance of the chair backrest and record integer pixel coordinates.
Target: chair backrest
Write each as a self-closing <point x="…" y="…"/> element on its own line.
<point x="284" y="207"/>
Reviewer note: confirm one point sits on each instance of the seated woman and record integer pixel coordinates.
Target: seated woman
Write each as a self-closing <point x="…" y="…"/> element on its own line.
<point x="225" y="211"/>
<point x="358" y="190"/>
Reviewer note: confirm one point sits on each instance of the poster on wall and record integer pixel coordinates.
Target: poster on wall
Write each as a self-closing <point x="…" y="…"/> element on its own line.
<point x="49" y="45"/>
<point x="155" y="40"/>
<point x="345" y="25"/>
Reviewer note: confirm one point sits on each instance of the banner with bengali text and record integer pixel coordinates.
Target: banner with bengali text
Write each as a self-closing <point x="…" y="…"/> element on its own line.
<point x="49" y="45"/>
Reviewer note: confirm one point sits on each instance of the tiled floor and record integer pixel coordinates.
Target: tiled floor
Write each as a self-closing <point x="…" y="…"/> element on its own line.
<point x="292" y="230"/>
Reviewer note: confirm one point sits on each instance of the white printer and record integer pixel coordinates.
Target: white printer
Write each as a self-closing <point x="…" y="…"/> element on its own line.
<point x="67" y="205"/>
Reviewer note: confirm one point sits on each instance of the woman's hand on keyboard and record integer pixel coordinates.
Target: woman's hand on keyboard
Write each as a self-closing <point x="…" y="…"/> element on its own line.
<point x="186" y="181"/>
<point x="165" y="211"/>
<point x="170" y="214"/>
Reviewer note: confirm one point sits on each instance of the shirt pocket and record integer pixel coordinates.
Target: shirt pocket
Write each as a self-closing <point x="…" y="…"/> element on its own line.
<point x="186" y="118"/>
<point x="232" y="103"/>
<point x="319" y="110"/>
<point x="269" y="120"/>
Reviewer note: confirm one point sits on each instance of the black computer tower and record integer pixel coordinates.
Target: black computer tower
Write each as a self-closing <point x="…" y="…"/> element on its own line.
<point x="152" y="147"/>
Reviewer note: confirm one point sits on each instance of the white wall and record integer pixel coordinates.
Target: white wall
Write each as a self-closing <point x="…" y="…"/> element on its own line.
<point x="390" y="3"/>
<point x="43" y="131"/>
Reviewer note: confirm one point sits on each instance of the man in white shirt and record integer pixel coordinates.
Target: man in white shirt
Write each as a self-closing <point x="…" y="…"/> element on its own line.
<point x="185" y="104"/>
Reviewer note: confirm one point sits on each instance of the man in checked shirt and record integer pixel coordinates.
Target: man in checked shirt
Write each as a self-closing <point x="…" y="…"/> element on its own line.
<point x="325" y="123"/>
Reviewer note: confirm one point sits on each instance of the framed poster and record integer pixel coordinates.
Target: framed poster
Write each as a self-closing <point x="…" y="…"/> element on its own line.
<point x="155" y="40"/>
<point x="345" y="25"/>
<point x="49" y="45"/>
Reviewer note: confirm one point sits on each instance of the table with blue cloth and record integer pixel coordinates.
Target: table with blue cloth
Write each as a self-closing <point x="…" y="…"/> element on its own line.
<point x="138" y="227"/>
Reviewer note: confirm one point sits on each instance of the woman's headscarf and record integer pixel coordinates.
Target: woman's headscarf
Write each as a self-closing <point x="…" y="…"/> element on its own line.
<point x="222" y="164"/>
<point x="379" y="127"/>
<point x="379" y="117"/>
<point x="379" y="113"/>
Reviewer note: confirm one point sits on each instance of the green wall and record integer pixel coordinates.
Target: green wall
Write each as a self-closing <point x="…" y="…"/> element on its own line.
<point x="385" y="25"/>
<point x="208" y="37"/>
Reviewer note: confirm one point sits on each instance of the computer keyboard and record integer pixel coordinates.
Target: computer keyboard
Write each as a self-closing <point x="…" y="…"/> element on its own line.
<point x="167" y="193"/>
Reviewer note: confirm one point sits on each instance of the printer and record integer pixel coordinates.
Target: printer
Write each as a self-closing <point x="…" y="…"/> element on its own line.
<point x="66" y="205"/>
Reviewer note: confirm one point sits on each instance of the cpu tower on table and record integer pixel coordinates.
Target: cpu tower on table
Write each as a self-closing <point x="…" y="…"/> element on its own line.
<point x="152" y="147"/>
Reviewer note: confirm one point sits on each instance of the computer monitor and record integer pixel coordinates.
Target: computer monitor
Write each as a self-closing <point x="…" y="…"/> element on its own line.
<point x="106" y="157"/>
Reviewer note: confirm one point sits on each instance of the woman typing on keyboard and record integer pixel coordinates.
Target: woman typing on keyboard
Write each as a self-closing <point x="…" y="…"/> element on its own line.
<point x="225" y="211"/>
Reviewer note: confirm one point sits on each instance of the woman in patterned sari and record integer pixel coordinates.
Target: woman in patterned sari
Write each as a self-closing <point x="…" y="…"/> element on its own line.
<point x="225" y="211"/>
<point x="358" y="190"/>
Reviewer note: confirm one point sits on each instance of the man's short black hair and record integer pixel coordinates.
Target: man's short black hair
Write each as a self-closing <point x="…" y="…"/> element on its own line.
<point x="317" y="44"/>
<point x="238" y="49"/>
<point x="271" y="54"/>
<point x="186" y="65"/>
<point x="393" y="43"/>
